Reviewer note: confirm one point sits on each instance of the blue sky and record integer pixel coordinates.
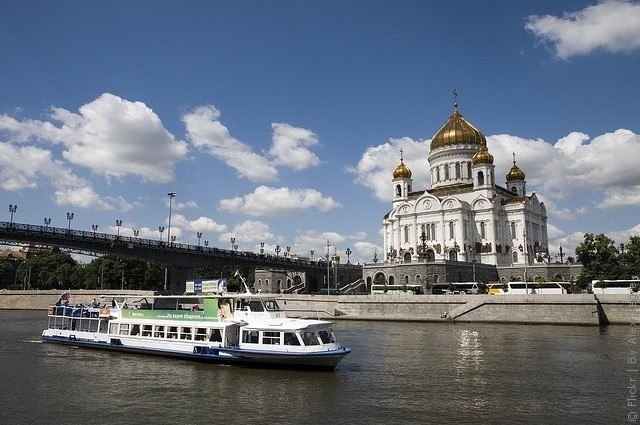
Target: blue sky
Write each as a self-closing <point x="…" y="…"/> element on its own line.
<point x="281" y="122"/>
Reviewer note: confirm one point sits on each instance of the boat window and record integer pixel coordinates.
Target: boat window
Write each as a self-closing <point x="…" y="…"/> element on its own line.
<point x="146" y="330"/>
<point x="135" y="330"/>
<point x="326" y="337"/>
<point x="113" y="328"/>
<point x="310" y="338"/>
<point x="173" y="332"/>
<point x="271" y="305"/>
<point x="215" y="335"/>
<point x="291" y="338"/>
<point x="159" y="333"/>
<point x="250" y="337"/>
<point x="255" y="305"/>
<point x="201" y="334"/>
<point x="271" y="338"/>
<point x="185" y="333"/>
<point x="124" y="329"/>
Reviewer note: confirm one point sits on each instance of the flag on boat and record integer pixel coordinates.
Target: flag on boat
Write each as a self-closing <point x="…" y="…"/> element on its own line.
<point x="236" y="274"/>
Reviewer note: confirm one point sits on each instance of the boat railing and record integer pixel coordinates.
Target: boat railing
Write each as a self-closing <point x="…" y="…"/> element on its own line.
<point x="79" y="311"/>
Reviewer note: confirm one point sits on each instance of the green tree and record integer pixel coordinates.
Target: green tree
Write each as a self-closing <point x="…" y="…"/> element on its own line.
<point x="599" y="258"/>
<point x="630" y="258"/>
<point x="49" y="270"/>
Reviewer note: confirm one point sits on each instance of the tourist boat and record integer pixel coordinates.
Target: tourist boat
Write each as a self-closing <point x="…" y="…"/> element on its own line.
<point x="241" y="328"/>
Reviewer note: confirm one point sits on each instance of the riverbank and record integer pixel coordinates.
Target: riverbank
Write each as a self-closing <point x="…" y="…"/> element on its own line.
<point x="567" y="309"/>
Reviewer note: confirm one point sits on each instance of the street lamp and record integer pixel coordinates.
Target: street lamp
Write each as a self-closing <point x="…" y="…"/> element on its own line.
<point x="136" y="233"/>
<point x="278" y="250"/>
<point x="472" y="249"/>
<point x="171" y="196"/>
<point x="173" y="239"/>
<point x="161" y="230"/>
<point x="94" y="227"/>
<point x="288" y="251"/>
<point x="233" y="240"/>
<point x="261" y="248"/>
<point x="12" y="210"/>
<point x="47" y="222"/>
<point x="69" y="217"/>
<point x="348" y="252"/>
<point x="235" y="247"/>
<point x="312" y="252"/>
<point x="206" y="244"/>
<point x="118" y="224"/>
<point x="328" y="271"/>
<point x="199" y="235"/>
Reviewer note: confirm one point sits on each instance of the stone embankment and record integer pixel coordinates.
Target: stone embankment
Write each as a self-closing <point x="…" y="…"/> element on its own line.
<point x="569" y="309"/>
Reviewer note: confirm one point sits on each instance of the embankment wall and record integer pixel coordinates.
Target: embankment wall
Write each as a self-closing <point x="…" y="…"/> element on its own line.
<point x="568" y="309"/>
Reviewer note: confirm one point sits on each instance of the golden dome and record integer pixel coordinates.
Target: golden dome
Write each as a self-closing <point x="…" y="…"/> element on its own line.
<point x="482" y="156"/>
<point x="515" y="173"/>
<point x="335" y="257"/>
<point x="457" y="131"/>
<point x="401" y="171"/>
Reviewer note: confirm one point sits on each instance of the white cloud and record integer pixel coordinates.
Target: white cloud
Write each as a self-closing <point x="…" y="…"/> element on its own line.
<point x="611" y="25"/>
<point x="250" y="232"/>
<point x="375" y="168"/>
<point x="207" y="133"/>
<point x="200" y="224"/>
<point x="111" y="136"/>
<point x="291" y="146"/>
<point x="269" y="201"/>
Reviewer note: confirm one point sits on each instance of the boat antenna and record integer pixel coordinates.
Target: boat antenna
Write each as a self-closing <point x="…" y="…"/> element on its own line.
<point x="244" y="282"/>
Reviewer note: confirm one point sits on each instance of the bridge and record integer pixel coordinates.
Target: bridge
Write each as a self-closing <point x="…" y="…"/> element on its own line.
<point x="175" y="255"/>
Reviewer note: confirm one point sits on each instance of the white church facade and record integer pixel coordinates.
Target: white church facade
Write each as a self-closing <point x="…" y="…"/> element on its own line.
<point x="465" y="216"/>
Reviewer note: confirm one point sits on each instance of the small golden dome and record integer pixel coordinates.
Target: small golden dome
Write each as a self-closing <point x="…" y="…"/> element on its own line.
<point x="457" y="131"/>
<point x="482" y="156"/>
<point x="401" y="171"/>
<point x="335" y="257"/>
<point x="515" y="173"/>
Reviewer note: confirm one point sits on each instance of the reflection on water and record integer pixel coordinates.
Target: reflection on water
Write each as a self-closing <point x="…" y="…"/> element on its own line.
<point x="397" y="373"/>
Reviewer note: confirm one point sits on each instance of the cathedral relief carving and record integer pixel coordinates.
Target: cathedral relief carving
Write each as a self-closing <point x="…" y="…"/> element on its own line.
<point x="449" y="204"/>
<point x="481" y="204"/>
<point x="437" y="247"/>
<point x="486" y="247"/>
<point x="405" y="209"/>
<point x="427" y="205"/>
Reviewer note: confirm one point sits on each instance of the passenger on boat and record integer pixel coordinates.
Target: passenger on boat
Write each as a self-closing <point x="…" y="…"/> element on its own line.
<point x="95" y="303"/>
<point x="195" y="307"/>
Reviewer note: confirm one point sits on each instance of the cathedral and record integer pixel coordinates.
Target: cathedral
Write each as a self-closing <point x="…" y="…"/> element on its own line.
<point x="464" y="217"/>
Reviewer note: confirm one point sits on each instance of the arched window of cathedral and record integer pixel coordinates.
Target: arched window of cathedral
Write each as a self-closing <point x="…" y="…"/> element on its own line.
<point x="453" y="255"/>
<point x="469" y="170"/>
<point x="433" y="231"/>
<point x="436" y="278"/>
<point x="483" y="230"/>
<point x="513" y="230"/>
<point x="457" y="170"/>
<point x="514" y="189"/>
<point x="438" y="173"/>
<point x="480" y="178"/>
<point x="369" y="282"/>
<point x="451" y="230"/>
<point x="446" y="172"/>
<point x="418" y="277"/>
<point x="406" y="279"/>
<point x="423" y="229"/>
<point x="515" y="257"/>
<point x="398" y="190"/>
<point x="407" y="257"/>
<point x="406" y="234"/>
<point x="391" y="280"/>
<point x="409" y="188"/>
<point x="431" y="256"/>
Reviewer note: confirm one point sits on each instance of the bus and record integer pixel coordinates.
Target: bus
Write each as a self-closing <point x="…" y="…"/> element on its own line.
<point x="396" y="289"/>
<point x="517" y="288"/>
<point x="460" y="288"/>
<point x="614" y="286"/>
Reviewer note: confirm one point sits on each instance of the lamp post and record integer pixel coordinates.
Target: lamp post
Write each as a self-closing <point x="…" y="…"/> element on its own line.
<point x="312" y="252"/>
<point x="235" y="247"/>
<point x="136" y="233"/>
<point x="526" y="260"/>
<point x="171" y="196"/>
<point x="69" y="217"/>
<point x="233" y="240"/>
<point x="423" y="239"/>
<point x="173" y="239"/>
<point x="472" y="249"/>
<point x="47" y="222"/>
<point x="94" y="227"/>
<point x="278" y="250"/>
<point x="12" y="210"/>
<point x="288" y="251"/>
<point x="206" y="244"/>
<point x="199" y="235"/>
<point x="561" y="254"/>
<point x="161" y="230"/>
<point x="375" y="256"/>
<point x="261" y="248"/>
<point x="348" y="252"/>
<point x="328" y="271"/>
<point x="118" y="224"/>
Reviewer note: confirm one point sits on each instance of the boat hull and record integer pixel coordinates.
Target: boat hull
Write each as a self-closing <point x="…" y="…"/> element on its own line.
<point x="325" y="360"/>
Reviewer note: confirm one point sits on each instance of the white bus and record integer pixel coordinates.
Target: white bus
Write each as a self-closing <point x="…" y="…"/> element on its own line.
<point x="396" y="289"/>
<point x="517" y="288"/>
<point x="460" y="288"/>
<point x="614" y="286"/>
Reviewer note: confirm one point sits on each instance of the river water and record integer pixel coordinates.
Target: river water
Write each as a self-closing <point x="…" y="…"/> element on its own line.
<point x="397" y="373"/>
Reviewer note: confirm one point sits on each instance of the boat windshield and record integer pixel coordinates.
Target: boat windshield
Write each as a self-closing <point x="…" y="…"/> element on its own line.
<point x="271" y="305"/>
